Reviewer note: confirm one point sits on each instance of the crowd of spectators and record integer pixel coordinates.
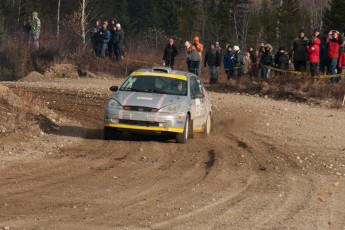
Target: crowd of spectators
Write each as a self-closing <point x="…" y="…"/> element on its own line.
<point x="317" y="55"/>
<point x="108" y="40"/>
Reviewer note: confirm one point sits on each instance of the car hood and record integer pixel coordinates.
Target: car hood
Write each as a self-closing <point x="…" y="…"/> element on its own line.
<point x="152" y="100"/>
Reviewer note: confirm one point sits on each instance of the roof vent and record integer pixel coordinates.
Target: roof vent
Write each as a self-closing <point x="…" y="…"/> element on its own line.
<point x="162" y="69"/>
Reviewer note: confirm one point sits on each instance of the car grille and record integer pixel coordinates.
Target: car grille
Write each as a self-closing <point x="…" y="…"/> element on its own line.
<point x="139" y="123"/>
<point x="138" y="108"/>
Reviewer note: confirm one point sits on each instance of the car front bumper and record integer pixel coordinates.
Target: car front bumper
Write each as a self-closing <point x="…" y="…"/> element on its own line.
<point x="146" y="121"/>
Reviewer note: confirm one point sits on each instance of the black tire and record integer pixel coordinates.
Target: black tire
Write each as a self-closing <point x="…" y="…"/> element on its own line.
<point x="109" y="133"/>
<point x="182" y="137"/>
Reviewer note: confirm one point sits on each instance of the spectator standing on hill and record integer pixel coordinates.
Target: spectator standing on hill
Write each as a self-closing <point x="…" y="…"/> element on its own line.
<point x="281" y="59"/>
<point x="118" y="41"/>
<point x="254" y="62"/>
<point x="266" y="60"/>
<point x="299" y="52"/>
<point x="111" y="28"/>
<point x="227" y="61"/>
<point x="169" y="54"/>
<point x="196" y="49"/>
<point x="188" y="55"/>
<point x="341" y="61"/>
<point x="313" y="49"/>
<point x="94" y="36"/>
<point x="27" y="29"/>
<point x="333" y="43"/>
<point x="261" y="49"/>
<point x="217" y="46"/>
<point x="246" y="63"/>
<point x="238" y="62"/>
<point x="35" y="29"/>
<point x="103" y="36"/>
<point x="323" y="55"/>
<point x="212" y="59"/>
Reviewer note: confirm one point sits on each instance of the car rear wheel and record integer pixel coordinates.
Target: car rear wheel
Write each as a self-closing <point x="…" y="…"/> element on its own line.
<point x="208" y="127"/>
<point x="182" y="137"/>
<point x="109" y="133"/>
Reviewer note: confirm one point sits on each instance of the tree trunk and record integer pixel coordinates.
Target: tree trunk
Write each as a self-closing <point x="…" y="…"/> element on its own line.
<point x="58" y="20"/>
<point x="278" y="22"/>
<point x="83" y="35"/>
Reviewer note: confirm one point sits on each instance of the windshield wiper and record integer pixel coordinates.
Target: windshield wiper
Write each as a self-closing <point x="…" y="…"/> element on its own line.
<point x="130" y="89"/>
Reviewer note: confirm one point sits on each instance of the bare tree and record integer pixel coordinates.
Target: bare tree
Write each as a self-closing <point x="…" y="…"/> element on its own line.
<point x="278" y="22"/>
<point x="242" y="19"/>
<point x="83" y="20"/>
<point x="58" y="19"/>
<point x="315" y="10"/>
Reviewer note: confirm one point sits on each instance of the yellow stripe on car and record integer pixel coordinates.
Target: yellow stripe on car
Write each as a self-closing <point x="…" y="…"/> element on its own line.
<point x="148" y="74"/>
<point x="159" y="129"/>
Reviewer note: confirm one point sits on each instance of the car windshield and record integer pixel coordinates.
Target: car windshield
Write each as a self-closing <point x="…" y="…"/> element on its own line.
<point x="155" y="84"/>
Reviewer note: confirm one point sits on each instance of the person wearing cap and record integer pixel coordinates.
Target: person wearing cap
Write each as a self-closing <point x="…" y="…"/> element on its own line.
<point x="188" y="55"/>
<point x="169" y="54"/>
<point x="299" y="52"/>
<point x="35" y="29"/>
<point x="103" y="35"/>
<point x="118" y="40"/>
<point x="281" y="60"/>
<point x="238" y="61"/>
<point x="196" y="49"/>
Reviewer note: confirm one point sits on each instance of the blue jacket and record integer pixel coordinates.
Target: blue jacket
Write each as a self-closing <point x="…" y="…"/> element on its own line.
<point x="103" y="35"/>
<point x="228" y="56"/>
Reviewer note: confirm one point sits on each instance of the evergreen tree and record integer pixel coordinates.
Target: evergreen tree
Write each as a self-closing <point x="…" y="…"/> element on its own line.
<point x="334" y="17"/>
<point x="289" y="18"/>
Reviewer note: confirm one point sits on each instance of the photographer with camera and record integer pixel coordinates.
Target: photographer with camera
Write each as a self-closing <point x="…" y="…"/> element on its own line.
<point x="313" y="49"/>
<point x="334" y="41"/>
<point x="299" y="52"/>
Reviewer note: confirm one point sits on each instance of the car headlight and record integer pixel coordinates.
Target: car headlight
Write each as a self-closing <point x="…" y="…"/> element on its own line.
<point x="114" y="104"/>
<point x="171" y="108"/>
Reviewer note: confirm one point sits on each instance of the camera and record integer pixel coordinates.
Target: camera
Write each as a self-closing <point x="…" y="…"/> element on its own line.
<point x="309" y="43"/>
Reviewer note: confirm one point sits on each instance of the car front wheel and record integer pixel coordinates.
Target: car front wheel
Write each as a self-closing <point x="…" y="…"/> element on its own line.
<point x="182" y="137"/>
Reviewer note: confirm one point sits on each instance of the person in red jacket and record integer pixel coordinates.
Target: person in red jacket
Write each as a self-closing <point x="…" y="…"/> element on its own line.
<point x="341" y="62"/>
<point x="313" y="49"/>
<point x="333" y="43"/>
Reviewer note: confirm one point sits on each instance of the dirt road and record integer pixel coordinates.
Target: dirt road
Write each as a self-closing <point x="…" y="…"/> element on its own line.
<point x="267" y="165"/>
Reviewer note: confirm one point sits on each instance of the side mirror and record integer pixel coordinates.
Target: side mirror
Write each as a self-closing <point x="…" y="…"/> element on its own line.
<point x="114" y="88"/>
<point x="198" y="95"/>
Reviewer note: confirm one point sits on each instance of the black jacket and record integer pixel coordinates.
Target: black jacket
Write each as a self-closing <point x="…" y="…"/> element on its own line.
<point x="212" y="57"/>
<point x="118" y="36"/>
<point x="170" y="52"/>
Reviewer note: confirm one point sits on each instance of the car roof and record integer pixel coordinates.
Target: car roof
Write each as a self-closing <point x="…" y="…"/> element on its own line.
<point x="164" y="71"/>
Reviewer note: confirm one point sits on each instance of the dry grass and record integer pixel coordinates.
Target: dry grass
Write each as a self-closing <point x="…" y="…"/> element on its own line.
<point x="17" y="61"/>
<point x="26" y="104"/>
<point x="289" y="87"/>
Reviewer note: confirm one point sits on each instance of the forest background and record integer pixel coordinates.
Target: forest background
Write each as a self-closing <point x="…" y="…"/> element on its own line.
<point x="67" y="24"/>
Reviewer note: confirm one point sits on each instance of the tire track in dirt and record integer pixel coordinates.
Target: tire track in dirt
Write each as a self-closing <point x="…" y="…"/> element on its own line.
<point x="237" y="177"/>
